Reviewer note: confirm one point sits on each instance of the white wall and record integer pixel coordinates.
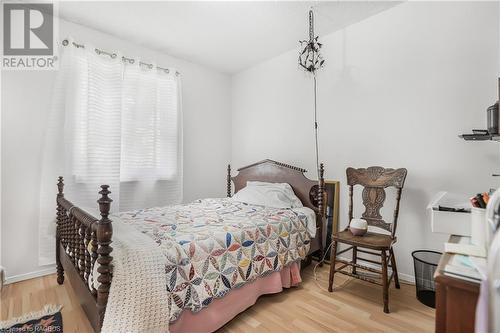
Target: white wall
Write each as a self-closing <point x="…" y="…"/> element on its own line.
<point x="25" y="107"/>
<point x="396" y="91"/>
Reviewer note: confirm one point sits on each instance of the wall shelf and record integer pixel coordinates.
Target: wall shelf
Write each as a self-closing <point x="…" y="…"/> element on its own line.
<point x="480" y="137"/>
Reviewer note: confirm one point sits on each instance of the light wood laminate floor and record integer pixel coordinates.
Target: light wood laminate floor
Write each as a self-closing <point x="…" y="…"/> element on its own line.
<point x="355" y="306"/>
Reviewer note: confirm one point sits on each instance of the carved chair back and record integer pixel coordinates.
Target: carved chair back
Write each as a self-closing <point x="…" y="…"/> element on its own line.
<point x="374" y="181"/>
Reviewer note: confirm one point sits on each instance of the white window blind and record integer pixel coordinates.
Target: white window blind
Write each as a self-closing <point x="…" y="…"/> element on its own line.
<point x="150" y="123"/>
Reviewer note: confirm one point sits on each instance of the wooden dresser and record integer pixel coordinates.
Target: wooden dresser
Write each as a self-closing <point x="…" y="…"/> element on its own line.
<point x="455" y="301"/>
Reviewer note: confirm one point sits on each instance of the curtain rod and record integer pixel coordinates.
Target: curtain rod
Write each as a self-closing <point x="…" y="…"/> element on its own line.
<point x="65" y="42"/>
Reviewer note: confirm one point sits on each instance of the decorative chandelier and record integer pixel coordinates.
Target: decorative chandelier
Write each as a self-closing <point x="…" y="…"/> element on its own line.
<point x="310" y="58"/>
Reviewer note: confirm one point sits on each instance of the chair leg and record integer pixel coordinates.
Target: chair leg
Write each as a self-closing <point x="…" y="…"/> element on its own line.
<point x="354" y="258"/>
<point x="333" y="256"/>
<point x="385" y="284"/>
<point x="394" y="268"/>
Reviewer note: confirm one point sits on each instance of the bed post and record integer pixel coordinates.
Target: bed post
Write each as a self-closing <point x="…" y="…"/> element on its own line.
<point x="104" y="233"/>
<point x="321" y="192"/>
<point x="59" y="221"/>
<point x="321" y="189"/>
<point x="229" y="180"/>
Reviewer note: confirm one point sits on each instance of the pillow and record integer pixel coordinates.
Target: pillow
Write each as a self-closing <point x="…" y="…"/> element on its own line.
<point x="277" y="195"/>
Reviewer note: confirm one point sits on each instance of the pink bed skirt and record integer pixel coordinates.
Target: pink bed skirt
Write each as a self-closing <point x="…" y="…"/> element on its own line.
<point x="222" y="310"/>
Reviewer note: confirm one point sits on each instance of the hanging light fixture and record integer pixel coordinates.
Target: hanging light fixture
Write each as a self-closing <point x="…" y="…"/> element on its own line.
<point x="311" y="60"/>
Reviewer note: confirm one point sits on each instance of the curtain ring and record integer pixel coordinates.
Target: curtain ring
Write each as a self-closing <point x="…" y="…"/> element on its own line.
<point x="130" y="61"/>
<point x="97" y="51"/>
<point x="113" y="56"/>
<point x="65" y="42"/>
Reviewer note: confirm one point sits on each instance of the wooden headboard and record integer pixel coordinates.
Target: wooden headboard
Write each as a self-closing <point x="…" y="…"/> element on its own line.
<point x="275" y="172"/>
<point x="307" y="190"/>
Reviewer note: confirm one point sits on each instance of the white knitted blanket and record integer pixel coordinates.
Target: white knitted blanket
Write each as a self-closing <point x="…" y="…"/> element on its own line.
<point x="138" y="298"/>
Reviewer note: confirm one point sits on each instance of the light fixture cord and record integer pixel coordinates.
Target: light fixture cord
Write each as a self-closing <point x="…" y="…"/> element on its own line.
<point x="311" y="41"/>
<point x="316" y="124"/>
<point x="311" y="25"/>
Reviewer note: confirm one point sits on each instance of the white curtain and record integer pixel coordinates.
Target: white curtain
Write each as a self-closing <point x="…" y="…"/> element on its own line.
<point x="112" y="122"/>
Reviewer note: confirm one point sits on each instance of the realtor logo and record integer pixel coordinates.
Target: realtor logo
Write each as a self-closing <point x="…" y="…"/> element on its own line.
<point x="28" y="36"/>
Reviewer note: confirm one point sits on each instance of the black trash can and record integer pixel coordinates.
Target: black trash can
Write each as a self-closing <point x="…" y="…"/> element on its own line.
<point x="425" y="263"/>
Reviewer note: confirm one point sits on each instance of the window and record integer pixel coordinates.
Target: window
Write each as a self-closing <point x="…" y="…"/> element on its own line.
<point x="149" y="128"/>
<point x="126" y="120"/>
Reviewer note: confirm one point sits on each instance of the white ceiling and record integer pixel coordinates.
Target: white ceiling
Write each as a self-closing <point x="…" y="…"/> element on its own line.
<point x="223" y="35"/>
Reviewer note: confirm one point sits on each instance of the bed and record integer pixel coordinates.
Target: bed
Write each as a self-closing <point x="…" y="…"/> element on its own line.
<point x="219" y="255"/>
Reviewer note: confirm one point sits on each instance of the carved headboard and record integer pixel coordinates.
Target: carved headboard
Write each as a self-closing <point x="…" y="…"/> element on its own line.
<point x="275" y="172"/>
<point x="305" y="189"/>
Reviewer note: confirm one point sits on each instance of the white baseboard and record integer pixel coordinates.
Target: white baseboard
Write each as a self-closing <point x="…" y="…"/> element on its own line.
<point x="406" y="278"/>
<point x="403" y="277"/>
<point x="16" y="278"/>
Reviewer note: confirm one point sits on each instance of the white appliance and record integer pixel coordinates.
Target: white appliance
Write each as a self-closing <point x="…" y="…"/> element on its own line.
<point x="494" y="284"/>
<point x="492" y="238"/>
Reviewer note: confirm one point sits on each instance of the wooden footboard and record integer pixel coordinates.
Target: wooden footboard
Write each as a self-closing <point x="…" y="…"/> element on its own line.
<point x="81" y="241"/>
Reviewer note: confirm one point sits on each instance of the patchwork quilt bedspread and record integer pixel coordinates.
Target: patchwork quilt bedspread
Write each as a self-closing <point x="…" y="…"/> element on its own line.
<point x="214" y="245"/>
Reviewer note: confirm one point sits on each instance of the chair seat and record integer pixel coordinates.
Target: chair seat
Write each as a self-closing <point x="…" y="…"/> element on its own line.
<point x="369" y="240"/>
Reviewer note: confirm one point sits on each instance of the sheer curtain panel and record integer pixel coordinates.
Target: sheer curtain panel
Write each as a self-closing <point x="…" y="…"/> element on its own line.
<point x="112" y="122"/>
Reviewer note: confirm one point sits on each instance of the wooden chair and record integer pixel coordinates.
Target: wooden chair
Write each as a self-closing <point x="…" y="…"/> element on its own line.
<point x="374" y="180"/>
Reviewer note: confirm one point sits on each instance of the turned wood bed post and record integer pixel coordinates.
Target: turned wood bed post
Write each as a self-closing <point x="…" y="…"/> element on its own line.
<point x="229" y="180"/>
<point x="321" y="189"/>
<point x="59" y="221"/>
<point x="104" y="234"/>
<point x="321" y="208"/>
